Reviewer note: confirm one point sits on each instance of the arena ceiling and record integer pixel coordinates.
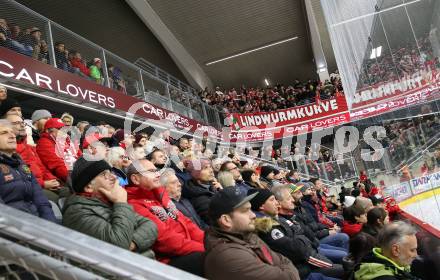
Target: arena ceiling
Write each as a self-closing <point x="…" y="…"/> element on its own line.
<point x="210" y="30"/>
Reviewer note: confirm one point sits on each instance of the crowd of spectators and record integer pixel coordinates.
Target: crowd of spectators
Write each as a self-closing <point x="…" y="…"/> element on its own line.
<point x="30" y="42"/>
<point x="184" y="204"/>
<point x="253" y="100"/>
<point x="400" y="62"/>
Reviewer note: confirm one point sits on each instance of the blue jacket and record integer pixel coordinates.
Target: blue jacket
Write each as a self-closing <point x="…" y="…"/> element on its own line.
<point x="242" y="186"/>
<point x="19" y="188"/>
<point x="184" y="206"/>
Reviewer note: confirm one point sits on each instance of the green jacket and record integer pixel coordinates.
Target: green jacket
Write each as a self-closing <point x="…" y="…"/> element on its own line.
<point x="95" y="73"/>
<point x="377" y="266"/>
<point x="117" y="224"/>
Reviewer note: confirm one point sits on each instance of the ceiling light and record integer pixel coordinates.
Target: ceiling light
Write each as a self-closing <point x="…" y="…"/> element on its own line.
<point x="376" y="52"/>
<point x="252" y="50"/>
<point x="266" y="82"/>
<point x="322" y="69"/>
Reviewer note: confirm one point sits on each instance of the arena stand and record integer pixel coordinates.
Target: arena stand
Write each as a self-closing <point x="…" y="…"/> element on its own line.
<point x="46" y="250"/>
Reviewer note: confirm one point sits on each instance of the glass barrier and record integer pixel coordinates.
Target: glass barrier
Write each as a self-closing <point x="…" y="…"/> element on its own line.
<point x="123" y="76"/>
<point x="31" y="34"/>
<point x="24" y="31"/>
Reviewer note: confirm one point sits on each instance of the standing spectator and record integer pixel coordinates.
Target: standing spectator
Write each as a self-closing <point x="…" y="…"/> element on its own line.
<point x="77" y="62"/>
<point x="397" y="248"/>
<point x="169" y="180"/>
<point x="233" y="251"/>
<point x="19" y="189"/>
<point x="99" y="208"/>
<point x="95" y="71"/>
<point x="67" y="119"/>
<point x="61" y="57"/>
<point x="180" y="241"/>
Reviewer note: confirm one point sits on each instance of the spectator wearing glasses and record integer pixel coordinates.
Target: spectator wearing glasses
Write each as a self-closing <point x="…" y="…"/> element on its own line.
<point x="99" y="208"/>
<point x="19" y="189"/>
<point x="29" y="155"/>
<point x="239" y="182"/>
<point x="119" y="162"/>
<point x="180" y="241"/>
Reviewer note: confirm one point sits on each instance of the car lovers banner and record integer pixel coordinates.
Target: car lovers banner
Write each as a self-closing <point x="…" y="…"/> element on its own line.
<point x="288" y="122"/>
<point x="22" y="68"/>
<point x="420" y="87"/>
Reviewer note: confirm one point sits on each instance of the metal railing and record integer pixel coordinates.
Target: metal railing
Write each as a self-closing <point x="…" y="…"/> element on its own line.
<point x="46" y="250"/>
<point x="141" y="79"/>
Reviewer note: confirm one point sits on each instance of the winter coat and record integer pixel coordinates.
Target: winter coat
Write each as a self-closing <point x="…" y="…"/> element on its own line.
<point x="48" y="153"/>
<point x="245" y="257"/>
<point x="242" y="186"/>
<point x="371" y="230"/>
<point x="304" y="217"/>
<point x="200" y="197"/>
<point x="288" y="239"/>
<point x="177" y="234"/>
<point x="19" y="188"/>
<point x="77" y="63"/>
<point x="314" y="210"/>
<point x="114" y="223"/>
<point x="95" y="73"/>
<point x="377" y="266"/>
<point x="29" y="155"/>
<point x="186" y="208"/>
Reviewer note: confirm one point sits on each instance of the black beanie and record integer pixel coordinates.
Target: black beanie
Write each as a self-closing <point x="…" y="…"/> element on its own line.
<point x="7" y="105"/>
<point x="85" y="171"/>
<point x="260" y="198"/>
<point x="266" y="170"/>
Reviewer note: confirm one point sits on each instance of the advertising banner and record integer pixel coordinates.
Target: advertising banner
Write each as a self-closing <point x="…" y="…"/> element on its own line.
<point x="400" y="191"/>
<point x="425" y="183"/>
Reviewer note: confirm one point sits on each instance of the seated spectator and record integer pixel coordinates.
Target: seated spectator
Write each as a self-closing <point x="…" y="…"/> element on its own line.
<point x="123" y="139"/>
<point x="81" y="125"/>
<point x="3" y="93"/>
<point x="119" y="162"/>
<point x="239" y="183"/>
<point x="286" y="237"/>
<point x="397" y="248"/>
<point x="312" y="204"/>
<point x="202" y="187"/>
<point x="67" y="119"/>
<point x="226" y="179"/>
<point x="179" y="241"/>
<point x="360" y="246"/>
<point x="32" y="41"/>
<point x="115" y="76"/>
<point x="233" y="251"/>
<point x="251" y="178"/>
<point x="183" y="144"/>
<point x="377" y="218"/>
<point x="354" y="219"/>
<point x="39" y="119"/>
<point x="7" y="41"/>
<point x="95" y="146"/>
<point x="136" y="152"/>
<point x="19" y="189"/>
<point x="329" y="243"/>
<point x="99" y="208"/>
<point x="169" y="180"/>
<point x="95" y="71"/>
<point x="267" y="176"/>
<point x="77" y="62"/>
<point x="158" y="158"/>
<point x="10" y="106"/>
<point x="293" y="177"/>
<point x="57" y="157"/>
<point x="29" y="155"/>
<point x="61" y="58"/>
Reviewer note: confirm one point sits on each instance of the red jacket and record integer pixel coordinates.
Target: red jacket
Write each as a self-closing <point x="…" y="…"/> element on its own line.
<point x="177" y="234"/>
<point x="77" y="63"/>
<point x="31" y="158"/>
<point x="351" y="229"/>
<point x="47" y="151"/>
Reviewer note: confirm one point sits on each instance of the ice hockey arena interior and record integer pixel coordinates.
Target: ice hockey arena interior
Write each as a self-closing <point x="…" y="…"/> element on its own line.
<point x="223" y="140"/>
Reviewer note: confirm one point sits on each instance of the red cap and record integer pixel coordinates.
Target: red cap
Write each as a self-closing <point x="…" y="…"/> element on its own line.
<point x="54" y="123"/>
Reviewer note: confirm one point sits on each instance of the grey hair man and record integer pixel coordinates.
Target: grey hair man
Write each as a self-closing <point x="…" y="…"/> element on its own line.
<point x="392" y="259"/>
<point x="169" y="180"/>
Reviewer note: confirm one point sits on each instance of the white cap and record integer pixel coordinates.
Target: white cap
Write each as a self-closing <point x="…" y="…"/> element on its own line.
<point x="349" y="201"/>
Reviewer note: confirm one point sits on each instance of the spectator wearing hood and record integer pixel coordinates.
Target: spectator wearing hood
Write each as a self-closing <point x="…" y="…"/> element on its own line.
<point x="202" y="187"/>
